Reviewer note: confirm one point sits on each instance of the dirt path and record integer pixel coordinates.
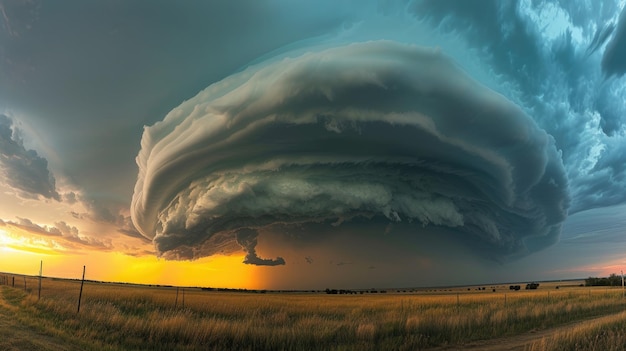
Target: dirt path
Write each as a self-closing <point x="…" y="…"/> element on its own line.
<point x="15" y="336"/>
<point x="521" y="341"/>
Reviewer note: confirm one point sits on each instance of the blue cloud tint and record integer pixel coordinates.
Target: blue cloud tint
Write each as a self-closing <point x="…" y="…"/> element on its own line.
<point x="87" y="76"/>
<point x="366" y="130"/>
<point x="614" y="58"/>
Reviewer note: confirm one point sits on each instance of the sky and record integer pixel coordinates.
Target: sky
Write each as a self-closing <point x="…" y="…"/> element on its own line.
<point x="303" y="145"/>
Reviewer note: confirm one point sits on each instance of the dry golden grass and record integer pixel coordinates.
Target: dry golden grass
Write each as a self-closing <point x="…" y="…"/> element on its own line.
<point x="125" y="317"/>
<point x="606" y="334"/>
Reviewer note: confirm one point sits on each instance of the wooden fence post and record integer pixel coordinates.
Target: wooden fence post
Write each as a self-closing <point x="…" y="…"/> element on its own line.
<point x="40" y="273"/>
<point x="80" y="295"/>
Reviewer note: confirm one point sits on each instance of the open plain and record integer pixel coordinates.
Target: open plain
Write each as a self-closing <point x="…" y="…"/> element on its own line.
<point x="133" y="317"/>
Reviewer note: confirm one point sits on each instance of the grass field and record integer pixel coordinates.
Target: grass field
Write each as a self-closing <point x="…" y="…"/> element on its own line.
<point x="127" y="317"/>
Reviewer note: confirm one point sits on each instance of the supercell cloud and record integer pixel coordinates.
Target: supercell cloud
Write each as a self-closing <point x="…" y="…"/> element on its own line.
<point x="376" y="131"/>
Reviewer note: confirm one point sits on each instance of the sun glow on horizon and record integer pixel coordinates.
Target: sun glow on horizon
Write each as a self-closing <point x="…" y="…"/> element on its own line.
<point x="22" y="255"/>
<point x="19" y="244"/>
<point x="216" y="271"/>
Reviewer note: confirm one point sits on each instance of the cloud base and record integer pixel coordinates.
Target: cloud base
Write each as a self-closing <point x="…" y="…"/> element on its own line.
<point x="368" y="130"/>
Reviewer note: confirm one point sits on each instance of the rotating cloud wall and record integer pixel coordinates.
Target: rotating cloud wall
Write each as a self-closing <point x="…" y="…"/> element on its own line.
<point x="367" y="131"/>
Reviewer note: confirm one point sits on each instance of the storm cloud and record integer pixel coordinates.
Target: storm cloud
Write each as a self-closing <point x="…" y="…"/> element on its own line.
<point x="330" y="132"/>
<point x="614" y="58"/>
<point x="21" y="168"/>
<point x="367" y="131"/>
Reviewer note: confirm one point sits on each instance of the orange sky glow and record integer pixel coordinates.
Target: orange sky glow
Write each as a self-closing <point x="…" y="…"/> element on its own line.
<point x="22" y="255"/>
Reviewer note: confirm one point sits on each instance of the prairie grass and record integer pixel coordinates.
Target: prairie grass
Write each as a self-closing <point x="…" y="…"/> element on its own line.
<point x="607" y="334"/>
<point x="125" y="317"/>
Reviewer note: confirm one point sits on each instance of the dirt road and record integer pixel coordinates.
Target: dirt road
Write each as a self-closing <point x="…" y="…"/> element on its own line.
<point x="14" y="336"/>
<point x="522" y="341"/>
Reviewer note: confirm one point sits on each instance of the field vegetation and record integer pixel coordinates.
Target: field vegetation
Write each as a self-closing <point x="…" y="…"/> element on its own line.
<point x="127" y="317"/>
<point x="607" y="334"/>
<point x="611" y="280"/>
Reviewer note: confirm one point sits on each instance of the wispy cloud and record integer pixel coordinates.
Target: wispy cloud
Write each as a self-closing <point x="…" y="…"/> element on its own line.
<point x="6" y="22"/>
<point x="60" y="237"/>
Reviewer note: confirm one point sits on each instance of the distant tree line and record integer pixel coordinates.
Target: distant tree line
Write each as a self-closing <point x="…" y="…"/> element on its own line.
<point x="612" y="280"/>
<point x="350" y="292"/>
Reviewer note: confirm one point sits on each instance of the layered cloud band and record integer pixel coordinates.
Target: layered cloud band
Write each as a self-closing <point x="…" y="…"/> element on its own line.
<point x="368" y="130"/>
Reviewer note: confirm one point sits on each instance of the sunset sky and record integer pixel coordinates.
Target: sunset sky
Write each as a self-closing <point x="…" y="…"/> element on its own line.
<point x="297" y="145"/>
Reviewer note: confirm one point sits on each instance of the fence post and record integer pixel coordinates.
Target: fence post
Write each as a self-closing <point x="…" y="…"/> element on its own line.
<point x="40" y="273"/>
<point x="176" y="302"/>
<point x="183" y="297"/>
<point x="24" y="283"/>
<point x="80" y="295"/>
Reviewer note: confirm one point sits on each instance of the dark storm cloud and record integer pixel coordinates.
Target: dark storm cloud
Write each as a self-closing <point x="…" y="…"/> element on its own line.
<point x="133" y="234"/>
<point x="247" y="239"/>
<point x="554" y="77"/>
<point x="493" y="26"/>
<point x="611" y="108"/>
<point x="97" y="210"/>
<point x="370" y="130"/>
<point x="91" y="74"/>
<point x="86" y="76"/>
<point x="23" y="169"/>
<point x="125" y="226"/>
<point x="614" y="58"/>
